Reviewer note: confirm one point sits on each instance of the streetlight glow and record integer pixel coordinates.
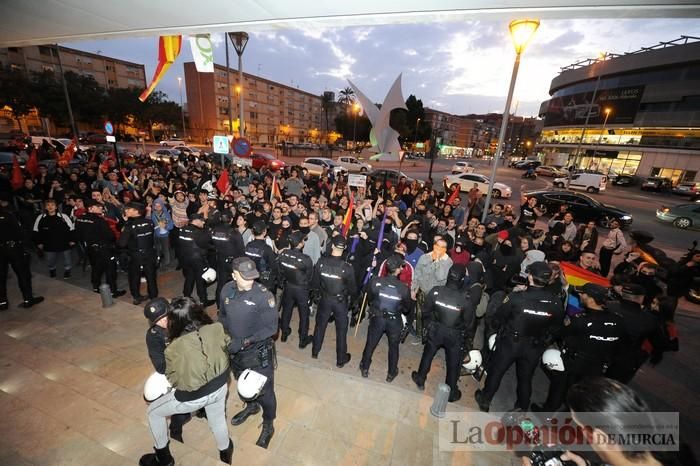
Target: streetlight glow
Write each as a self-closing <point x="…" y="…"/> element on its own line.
<point x="522" y="31"/>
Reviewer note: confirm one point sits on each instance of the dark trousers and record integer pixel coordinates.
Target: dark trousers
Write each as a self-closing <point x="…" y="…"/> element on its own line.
<point x="525" y="355"/>
<point x="576" y="369"/>
<point x="295" y="295"/>
<point x="440" y="336"/>
<point x="267" y="399"/>
<point x="339" y="310"/>
<point x="605" y="259"/>
<point x="103" y="262"/>
<point x="192" y="268"/>
<point x="18" y="258"/>
<point x="223" y="275"/>
<point x="378" y="326"/>
<point x="147" y="263"/>
<point x="626" y="364"/>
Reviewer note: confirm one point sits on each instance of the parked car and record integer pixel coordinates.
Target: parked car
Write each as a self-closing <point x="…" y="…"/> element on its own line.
<point x="682" y="216"/>
<point x="462" y="167"/>
<point x="65" y="142"/>
<point x="352" y="165"/>
<point x="390" y="176"/>
<point x="583" y="207"/>
<point x="526" y="164"/>
<point x="624" y="180"/>
<point x="315" y="166"/>
<point x="97" y="139"/>
<point x="164" y="155"/>
<point x="547" y="170"/>
<point x="466" y="182"/>
<point x="657" y="183"/>
<point x="189" y="150"/>
<point x="589" y="182"/>
<point x="687" y="189"/>
<point x="172" y="142"/>
<point x="262" y="159"/>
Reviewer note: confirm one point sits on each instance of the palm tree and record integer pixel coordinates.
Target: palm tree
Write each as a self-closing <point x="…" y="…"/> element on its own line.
<point x="347" y="96"/>
<point x="327" y="103"/>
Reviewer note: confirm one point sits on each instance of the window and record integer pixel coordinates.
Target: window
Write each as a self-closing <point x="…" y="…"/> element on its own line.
<point x="13" y="49"/>
<point x="16" y="67"/>
<point x="43" y="50"/>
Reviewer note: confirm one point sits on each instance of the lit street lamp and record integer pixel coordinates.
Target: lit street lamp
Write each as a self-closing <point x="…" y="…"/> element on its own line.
<point x="182" y="109"/>
<point x="355" y="111"/>
<point x="239" y="41"/>
<point x="521" y="31"/>
<point x="415" y="136"/>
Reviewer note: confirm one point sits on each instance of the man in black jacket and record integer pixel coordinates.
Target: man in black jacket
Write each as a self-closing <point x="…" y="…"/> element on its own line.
<point x="53" y="235"/>
<point x="137" y="238"/>
<point x="193" y="243"/>
<point x="228" y="244"/>
<point x="263" y="256"/>
<point x="296" y="271"/>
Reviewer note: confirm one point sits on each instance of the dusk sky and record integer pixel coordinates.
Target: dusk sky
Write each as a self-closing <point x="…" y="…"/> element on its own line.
<point x="458" y="67"/>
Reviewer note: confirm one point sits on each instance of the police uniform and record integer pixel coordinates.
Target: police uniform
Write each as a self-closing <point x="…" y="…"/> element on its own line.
<point x="528" y="319"/>
<point x="194" y="243"/>
<point x="296" y="271"/>
<point x="451" y="314"/>
<point x="334" y="283"/>
<point x="264" y="257"/>
<point x="228" y="244"/>
<point x="137" y="238"/>
<point x="13" y="253"/>
<point x="250" y="318"/>
<point x="94" y="232"/>
<point x="388" y="299"/>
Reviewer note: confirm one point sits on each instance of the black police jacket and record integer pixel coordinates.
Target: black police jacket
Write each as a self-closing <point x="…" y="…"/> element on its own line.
<point x="9" y="227"/>
<point x="137" y="235"/>
<point x="638" y="324"/>
<point x="592" y="335"/>
<point x="388" y="295"/>
<point x="193" y="242"/>
<point x="296" y="268"/>
<point x="535" y="313"/>
<point x="93" y="229"/>
<point x="247" y="316"/>
<point x="156" y="341"/>
<point x="334" y="277"/>
<point x="262" y="254"/>
<point x="449" y="306"/>
<point x="228" y="242"/>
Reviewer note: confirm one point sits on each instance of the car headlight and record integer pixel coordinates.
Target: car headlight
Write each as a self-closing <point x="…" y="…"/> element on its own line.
<point x="626" y="217"/>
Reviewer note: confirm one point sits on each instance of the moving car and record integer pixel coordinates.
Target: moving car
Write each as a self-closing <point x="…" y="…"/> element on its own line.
<point x="687" y="189"/>
<point x="172" y="142"/>
<point x="262" y="159"/>
<point x="188" y="150"/>
<point x="526" y="164"/>
<point x="682" y="216"/>
<point x="315" y="166"/>
<point x="462" y="167"/>
<point x="583" y="207"/>
<point x="391" y="176"/>
<point x="164" y="155"/>
<point x="466" y="182"/>
<point x="546" y="170"/>
<point x="353" y="165"/>
<point x="656" y="183"/>
<point x="589" y="182"/>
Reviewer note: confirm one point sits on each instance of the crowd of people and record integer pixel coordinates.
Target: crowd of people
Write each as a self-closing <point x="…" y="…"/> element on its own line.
<point x="492" y="289"/>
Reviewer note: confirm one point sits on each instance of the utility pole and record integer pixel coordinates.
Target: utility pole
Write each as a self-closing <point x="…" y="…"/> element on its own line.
<point x="65" y="93"/>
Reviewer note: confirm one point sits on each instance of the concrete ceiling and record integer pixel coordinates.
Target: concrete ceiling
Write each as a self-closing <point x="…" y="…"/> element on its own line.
<point x="34" y="22"/>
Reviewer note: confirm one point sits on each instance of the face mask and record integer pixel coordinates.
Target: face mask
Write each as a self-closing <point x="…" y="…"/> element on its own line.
<point x="411" y="245"/>
<point x="505" y="249"/>
<point x="304" y="230"/>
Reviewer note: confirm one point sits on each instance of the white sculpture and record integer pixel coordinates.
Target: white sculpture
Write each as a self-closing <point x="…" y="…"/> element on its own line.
<point x="383" y="137"/>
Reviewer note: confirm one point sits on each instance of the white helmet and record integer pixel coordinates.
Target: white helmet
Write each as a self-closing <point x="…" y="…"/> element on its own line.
<point x="250" y="384"/>
<point x="552" y="360"/>
<point x="209" y="275"/>
<point x="156" y="386"/>
<point x="474" y="362"/>
<point x="492" y="342"/>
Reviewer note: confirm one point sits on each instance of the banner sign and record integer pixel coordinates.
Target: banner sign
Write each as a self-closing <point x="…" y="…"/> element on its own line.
<point x="571" y="110"/>
<point x="202" y="52"/>
<point x="357" y="180"/>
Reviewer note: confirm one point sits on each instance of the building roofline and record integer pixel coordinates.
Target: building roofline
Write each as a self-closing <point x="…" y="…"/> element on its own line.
<point x="98" y="56"/>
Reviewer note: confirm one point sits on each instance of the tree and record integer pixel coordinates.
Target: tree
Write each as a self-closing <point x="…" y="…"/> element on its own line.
<point x="404" y="121"/>
<point x="51" y="102"/>
<point x="346" y="125"/>
<point x="347" y="96"/>
<point x="17" y="93"/>
<point x="327" y="104"/>
<point x="87" y="97"/>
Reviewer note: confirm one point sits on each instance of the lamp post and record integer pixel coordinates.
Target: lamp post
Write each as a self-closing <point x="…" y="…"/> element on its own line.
<point x="355" y="111"/>
<point x="521" y="31"/>
<point x="239" y="41"/>
<point x="607" y="111"/>
<point x="415" y="135"/>
<point x="182" y="109"/>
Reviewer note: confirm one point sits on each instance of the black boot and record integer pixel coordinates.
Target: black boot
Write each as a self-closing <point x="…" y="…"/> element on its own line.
<point x="455" y="395"/>
<point x="419" y="383"/>
<point x="483" y="403"/>
<point x="268" y="430"/>
<point x="27" y="303"/>
<point x="226" y="455"/>
<point x="285" y="335"/>
<point x="161" y="457"/>
<point x="241" y="416"/>
<point x="305" y="341"/>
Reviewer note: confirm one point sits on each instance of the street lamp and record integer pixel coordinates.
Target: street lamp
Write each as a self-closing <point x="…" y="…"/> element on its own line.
<point x="182" y="109"/>
<point x="415" y="136"/>
<point x="521" y="32"/>
<point x="239" y="41"/>
<point x="605" y="122"/>
<point x="356" y="110"/>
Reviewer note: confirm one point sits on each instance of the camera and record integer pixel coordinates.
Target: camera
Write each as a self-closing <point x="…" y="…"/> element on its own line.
<point x="548" y="456"/>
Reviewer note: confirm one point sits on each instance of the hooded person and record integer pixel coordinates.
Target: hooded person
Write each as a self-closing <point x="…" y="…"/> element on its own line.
<point x="163" y="225"/>
<point x="531" y="256"/>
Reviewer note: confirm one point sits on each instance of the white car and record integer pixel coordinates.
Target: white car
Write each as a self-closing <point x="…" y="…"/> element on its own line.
<point x="164" y="155"/>
<point x="188" y="150"/>
<point x="462" y="167"/>
<point x="315" y="166"/>
<point x="467" y="181"/>
<point x="353" y="165"/>
<point x="172" y="142"/>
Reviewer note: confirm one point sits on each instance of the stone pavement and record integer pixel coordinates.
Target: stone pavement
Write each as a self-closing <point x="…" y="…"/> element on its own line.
<point x="71" y="378"/>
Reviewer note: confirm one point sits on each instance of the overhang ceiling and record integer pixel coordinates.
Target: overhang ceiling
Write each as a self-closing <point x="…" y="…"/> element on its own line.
<point x="35" y="22"/>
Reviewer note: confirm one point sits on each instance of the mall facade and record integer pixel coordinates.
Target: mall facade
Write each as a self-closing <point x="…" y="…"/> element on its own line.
<point x="636" y="114"/>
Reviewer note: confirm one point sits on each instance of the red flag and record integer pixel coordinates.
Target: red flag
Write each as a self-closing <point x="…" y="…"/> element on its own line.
<point x="17" y="179"/>
<point x="222" y="182"/>
<point x="67" y="156"/>
<point x="32" y="165"/>
<point x="453" y="196"/>
<point x="348" y="216"/>
<point x="275" y="191"/>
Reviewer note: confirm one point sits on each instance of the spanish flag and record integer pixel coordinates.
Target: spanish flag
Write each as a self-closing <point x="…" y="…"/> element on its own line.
<point x="275" y="190"/>
<point x="347" y="220"/>
<point x="577" y="276"/>
<point x="168" y="50"/>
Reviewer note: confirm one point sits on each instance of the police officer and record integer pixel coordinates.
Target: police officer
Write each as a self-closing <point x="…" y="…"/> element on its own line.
<point x="262" y="254"/>
<point x="13" y="253"/>
<point x="194" y="242"/>
<point x="589" y="340"/>
<point x="296" y="272"/>
<point x="450" y="315"/>
<point x="94" y="232"/>
<point x="333" y="282"/>
<point x="526" y="320"/>
<point x="228" y="244"/>
<point x="137" y="238"/>
<point x="249" y="315"/>
<point x="388" y="299"/>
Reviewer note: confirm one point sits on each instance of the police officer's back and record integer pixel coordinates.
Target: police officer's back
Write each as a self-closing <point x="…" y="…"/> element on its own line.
<point x="228" y="244"/>
<point x="262" y="255"/>
<point x="296" y="272"/>
<point x="194" y="241"/>
<point x="137" y="238"/>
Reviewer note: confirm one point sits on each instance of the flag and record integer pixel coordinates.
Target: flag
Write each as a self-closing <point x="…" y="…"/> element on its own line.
<point x="577" y="276"/>
<point x="202" y="52"/>
<point x="380" y="240"/>
<point x="222" y="182"/>
<point x="168" y="50"/>
<point x="17" y="179"/>
<point x="67" y="155"/>
<point x="347" y="220"/>
<point x="32" y="165"/>
<point x="454" y="195"/>
<point x="104" y="166"/>
<point x="275" y="190"/>
<point x="645" y="256"/>
<point x="128" y="182"/>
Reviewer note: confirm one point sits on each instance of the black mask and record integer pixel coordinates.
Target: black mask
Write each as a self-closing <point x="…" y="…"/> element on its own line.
<point x="506" y="249"/>
<point x="411" y="245"/>
<point x="304" y="230"/>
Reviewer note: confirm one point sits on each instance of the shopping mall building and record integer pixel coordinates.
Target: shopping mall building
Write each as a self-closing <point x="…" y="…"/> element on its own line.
<point x="637" y="113"/>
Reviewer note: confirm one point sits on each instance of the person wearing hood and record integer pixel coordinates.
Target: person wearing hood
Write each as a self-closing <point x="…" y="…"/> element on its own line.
<point x="163" y="225"/>
<point x="451" y="314"/>
<point x="413" y="251"/>
<point x="505" y="264"/>
<point x="459" y="253"/>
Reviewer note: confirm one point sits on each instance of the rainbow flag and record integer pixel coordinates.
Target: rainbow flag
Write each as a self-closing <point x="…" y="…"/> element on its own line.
<point x="577" y="276"/>
<point x="168" y="50"/>
<point x="347" y="220"/>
